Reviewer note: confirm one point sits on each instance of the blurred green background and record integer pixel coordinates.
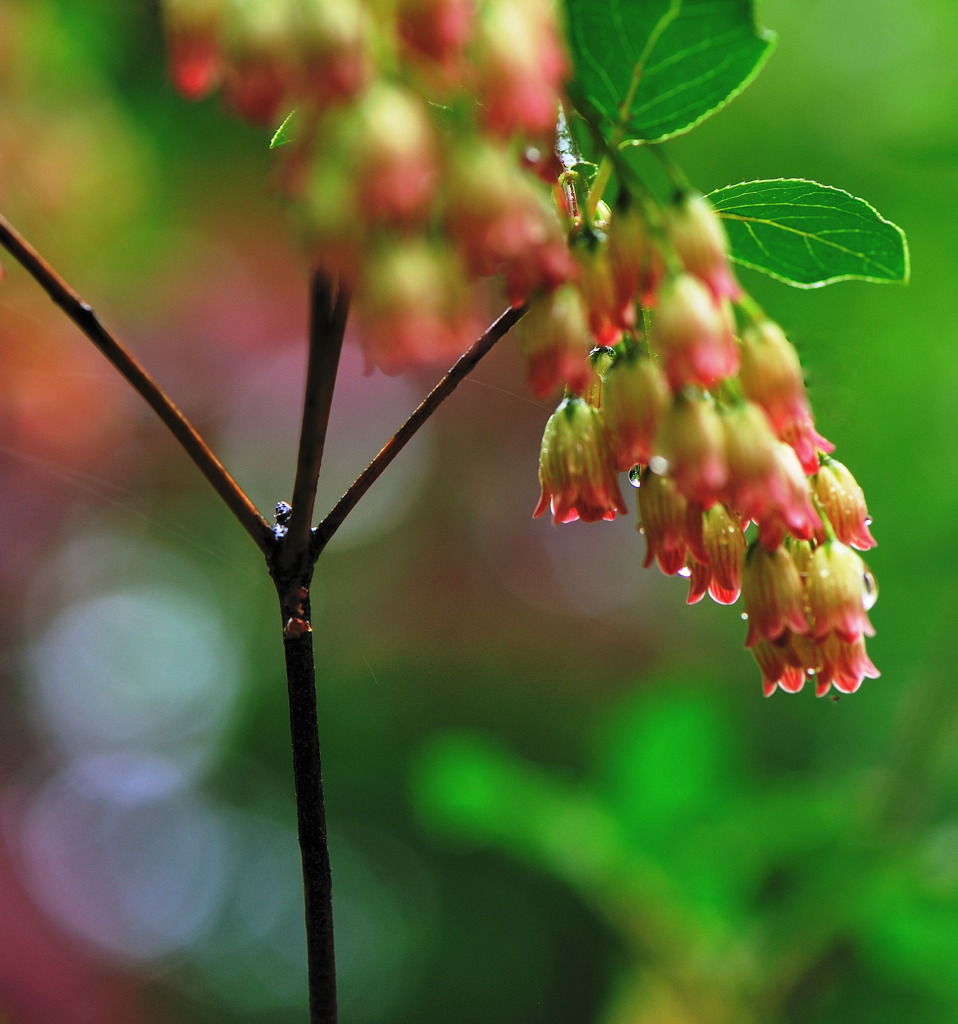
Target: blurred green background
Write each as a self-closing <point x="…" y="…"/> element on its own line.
<point x="555" y="792"/>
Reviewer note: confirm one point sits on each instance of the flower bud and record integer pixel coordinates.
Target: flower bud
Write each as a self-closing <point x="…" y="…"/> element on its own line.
<point x="843" y="502"/>
<point x="702" y="245"/>
<point x="259" y="71"/>
<point x="789" y="508"/>
<point x="412" y="306"/>
<point x="575" y="467"/>
<point x="692" y="335"/>
<point x="501" y="223"/>
<point x="333" y="39"/>
<point x="772" y="594"/>
<point x="436" y="29"/>
<point x="663" y="520"/>
<point x="390" y="145"/>
<point x="555" y="339"/>
<point x="608" y="315"/>
<point x="635" y="396"/>
<point x="636" y="261"/>
<point x="519" y="67"/>
<point x="692" y="441"/>
<point x="839" y="589"/>
<point x="771" y="376"/>
<point x="193" y="30"/>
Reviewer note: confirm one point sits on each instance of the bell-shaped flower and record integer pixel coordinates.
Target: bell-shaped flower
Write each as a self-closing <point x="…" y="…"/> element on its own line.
<point x="701" y="244"/>
<point x="772" y="594"/>
<point x="692" y="335"/>
<point x="843" y="502"/>
<point x="555" y="340"/>
<point x="575" y="466"/>
<point x="635" y="396"/>
<point x="692" y="441"/>
<point x="718" y="555"/>
<point x="663" y="519"/>
<point x="839" y="590"/>
<point x="771" y="376"/>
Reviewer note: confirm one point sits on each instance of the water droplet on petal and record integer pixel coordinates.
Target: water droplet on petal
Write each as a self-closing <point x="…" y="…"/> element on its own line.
<point x="868" y="520"/>
<point x="635" y="474"/>
<point x="744" y="616"/>
<point x="869" y="590"/>
<point x="659" y="465"/>
<point x="685" y="571"/>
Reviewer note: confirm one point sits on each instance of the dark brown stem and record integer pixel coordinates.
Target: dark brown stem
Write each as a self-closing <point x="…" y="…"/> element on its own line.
<point x="327" y="324"/>
<point x="311" y="818"/>
<point x="82" y="314"/>
<point x="462" y="368"/>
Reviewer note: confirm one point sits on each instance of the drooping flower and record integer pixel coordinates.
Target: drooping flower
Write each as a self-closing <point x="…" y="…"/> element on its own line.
<point x="412" y="306"/>
<point x="845" y="663"/>
<point x="635" y="396"/>
<point x="637" y="265"/>
<point x="843" y="502"/>
<point x="609" y="314"/>
<point x="718" y="555"/>
<point x="663" y="518"/>
<point x="519" y="65"/>
<point x="575" y="466"/>
<point x="839" y="590"/>
<point x="692" y="441"/>
<point x="692" y="335"/>
<point x="701" y="244"/>
<point x="777" y="665"/>
<point x="555" y="339"/>
<point x="773" y="595"/>
<point x="765" y="481"/>
<point x="193" y="30"/>
<point x="771" y="376"/>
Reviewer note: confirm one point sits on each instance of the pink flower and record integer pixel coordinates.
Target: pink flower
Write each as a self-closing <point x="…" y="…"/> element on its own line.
<point x="771" y="376"/>
<point x="844" y="665"/>
<point x="556" y="342"/>
<point x="702" y="245"/>
<point x="719" y="552"/>
<point x="765" y="481"/>
<point x="692" y="441"/>
<point x="843" y="502"/>
<point x="693" y="337"/>
<point x="635" y="396"/>
<point x="636" y="261"/>
<point x="773" y="595"/>
<point x="575" y="467"/>
<point x="839" y="590"/>
<point x="663" y="518"/>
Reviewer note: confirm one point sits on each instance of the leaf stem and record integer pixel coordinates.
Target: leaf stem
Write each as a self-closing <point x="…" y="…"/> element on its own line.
<point x="463" y="366"/>
<point x="83" y="315"/>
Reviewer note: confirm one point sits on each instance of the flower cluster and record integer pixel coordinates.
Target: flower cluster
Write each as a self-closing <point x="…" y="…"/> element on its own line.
<point x="705" y="406"/>
<point x="421" y="160"/>
<point x="415" y="154"/>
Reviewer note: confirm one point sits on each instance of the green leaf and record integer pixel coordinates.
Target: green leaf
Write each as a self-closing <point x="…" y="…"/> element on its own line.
<point x="284" y="133"/>
<point x="809" y="235"/>
<point x="646" y="70"/>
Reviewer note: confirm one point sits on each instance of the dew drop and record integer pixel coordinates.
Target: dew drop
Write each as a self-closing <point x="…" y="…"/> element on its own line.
<point x="744" y="616"/>
<point x="868" y="520"/>
<point x="685" y="571"/>
<point x="659" y="465"/>
<point x="869" y="590"/>
<point x="635" y="475"/>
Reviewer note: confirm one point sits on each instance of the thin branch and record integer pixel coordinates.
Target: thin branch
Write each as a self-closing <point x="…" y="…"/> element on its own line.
<point x="327" y="324"/>
<point x="311" y="820"/>
<point x="82" y="314"/>
<point x="462" y="368"/>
